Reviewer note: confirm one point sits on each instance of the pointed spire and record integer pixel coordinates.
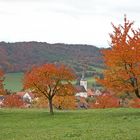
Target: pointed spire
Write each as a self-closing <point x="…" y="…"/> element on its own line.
<point x="83" y="75"/>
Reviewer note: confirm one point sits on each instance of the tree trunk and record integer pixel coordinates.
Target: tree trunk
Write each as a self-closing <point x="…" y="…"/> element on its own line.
<point x="137" y="93"/>
<point x="51" y="106"/>
<point x="134" y="83"/>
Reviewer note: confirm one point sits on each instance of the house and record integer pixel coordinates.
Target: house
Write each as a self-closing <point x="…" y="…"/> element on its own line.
<point x="90" y="93"/>
<point x="97" y="93"/>
<point x="26" y="96"/>
<point x="81" y="92"/>
<point x="1" y="100"/>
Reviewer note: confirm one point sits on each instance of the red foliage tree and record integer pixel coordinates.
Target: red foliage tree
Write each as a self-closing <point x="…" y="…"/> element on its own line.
<point x="13" y="101"/>
<point x="50" y="80"/>
<point x="40" y="102"/>
<point x="122" y="60"/>
<point x="105" y="101"/>
<point x="135" y="103"/>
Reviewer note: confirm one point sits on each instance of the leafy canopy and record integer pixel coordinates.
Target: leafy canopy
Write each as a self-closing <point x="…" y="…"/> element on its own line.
<point x="49" y="80"/>
<point x="122" y="60"/>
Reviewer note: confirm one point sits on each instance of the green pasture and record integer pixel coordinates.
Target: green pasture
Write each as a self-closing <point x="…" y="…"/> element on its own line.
<point x="98" y="124"/>
<point x="13" y="81"/>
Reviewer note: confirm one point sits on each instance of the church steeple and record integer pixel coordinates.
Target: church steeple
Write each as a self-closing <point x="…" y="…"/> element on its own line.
<point x="83" y="81"/>
<point x="83" y="76"/>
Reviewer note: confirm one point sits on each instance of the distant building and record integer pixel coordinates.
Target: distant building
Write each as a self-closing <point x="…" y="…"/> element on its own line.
<point x="83" y="82"/>
<point x="83" y="91"/>
<point x="1" y="100"/>
<point x="82" y="88"/>
<point x="90" y="92"/>
<point x="97" y="93"/>
<point x="26" y="96"/>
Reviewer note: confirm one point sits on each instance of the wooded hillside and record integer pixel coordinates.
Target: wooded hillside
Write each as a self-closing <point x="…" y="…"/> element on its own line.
<point x="20" y="56"/>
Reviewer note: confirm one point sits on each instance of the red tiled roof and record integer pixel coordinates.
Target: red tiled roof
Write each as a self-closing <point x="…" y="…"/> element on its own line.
<point x="21" y="94"/>
<point x="80" y="89"/>
<point x="90" y="92"/>
<point x="31" y="94"/>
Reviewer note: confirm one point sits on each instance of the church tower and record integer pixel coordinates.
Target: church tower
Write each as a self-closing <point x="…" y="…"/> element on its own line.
<point x="83" y="81"/>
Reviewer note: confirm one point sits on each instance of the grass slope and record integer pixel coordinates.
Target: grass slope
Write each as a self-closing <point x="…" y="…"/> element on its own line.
<point x="35" y="124"/>
<point x="13" y="81"/>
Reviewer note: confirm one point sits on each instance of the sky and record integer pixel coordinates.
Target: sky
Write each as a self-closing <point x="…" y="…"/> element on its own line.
<point x="64" y="21"/>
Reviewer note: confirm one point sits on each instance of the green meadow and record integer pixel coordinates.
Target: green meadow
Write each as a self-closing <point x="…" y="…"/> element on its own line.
<point x="13" y="81"/>
<point x="98" y="124"/>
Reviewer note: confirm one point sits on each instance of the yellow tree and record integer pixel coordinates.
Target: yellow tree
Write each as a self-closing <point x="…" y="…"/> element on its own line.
<point x="50" y="80"/>
<point x="65" y="102"/>
<point x="122" y="60"/>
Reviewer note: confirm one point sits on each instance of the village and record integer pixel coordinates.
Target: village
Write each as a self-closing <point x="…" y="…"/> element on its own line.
<point x="84" y="98"/>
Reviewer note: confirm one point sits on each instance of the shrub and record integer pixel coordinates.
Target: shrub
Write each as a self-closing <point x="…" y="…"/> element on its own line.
<point x="13" y="101"/>
<point x="135" y="103"/>
<point x="105" y="101"/>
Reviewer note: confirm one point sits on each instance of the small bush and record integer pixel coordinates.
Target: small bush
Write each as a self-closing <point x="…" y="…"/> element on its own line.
<point x="135" y="103"/>
<point x="13" y="101"/>
<point x="105" y="101"/>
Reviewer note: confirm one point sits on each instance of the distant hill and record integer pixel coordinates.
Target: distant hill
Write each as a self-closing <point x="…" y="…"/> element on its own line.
<point x="20" y="56"/>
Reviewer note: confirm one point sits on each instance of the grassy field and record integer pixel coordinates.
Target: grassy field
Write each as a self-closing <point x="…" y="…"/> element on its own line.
<point x="13" y="81"/>
<point x="100" y="124"/>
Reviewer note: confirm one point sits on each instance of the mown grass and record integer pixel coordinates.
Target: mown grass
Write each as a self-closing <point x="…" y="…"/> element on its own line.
<point x="100" y="124"/>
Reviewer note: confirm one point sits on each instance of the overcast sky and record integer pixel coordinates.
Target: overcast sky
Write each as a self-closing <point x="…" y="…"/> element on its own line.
<point x="64" y="21"/>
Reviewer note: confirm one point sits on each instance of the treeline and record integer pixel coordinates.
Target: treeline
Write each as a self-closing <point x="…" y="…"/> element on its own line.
<point x="20" y="56"/>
